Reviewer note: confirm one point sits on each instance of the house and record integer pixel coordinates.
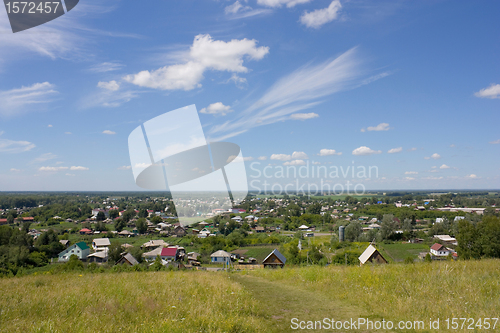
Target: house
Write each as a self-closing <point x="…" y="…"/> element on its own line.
<point x="127" y="259"/>
<point x="153" y="244"/>
<point x="203" y="234"/>
<point x="98" y="257"/>
<point x="151" y="255"/>
<point x="439" y="250"/>
<point x="274" y="259"/>
<point x="220" y="257"/>
<point x="100" y="244"/>
<point x="126" y="233"/>
<point x="169" y="253"/>
<point x="260" y="229"/>
<point x="3" y="221"/>
<point x="179" y="231"/>
<point x="447" y="239"/>
<point x="64" y="242"/>
<point x="85" y="231"/>
<point x="81" y="250"/>
<point x="372" y="255"/>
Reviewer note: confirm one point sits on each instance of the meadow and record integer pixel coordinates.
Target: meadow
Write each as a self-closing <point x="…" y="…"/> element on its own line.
<point x="262" y="300"/>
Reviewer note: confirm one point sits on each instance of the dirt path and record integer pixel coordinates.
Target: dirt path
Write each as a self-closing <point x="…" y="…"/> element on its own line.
<point x="280" y="303"/>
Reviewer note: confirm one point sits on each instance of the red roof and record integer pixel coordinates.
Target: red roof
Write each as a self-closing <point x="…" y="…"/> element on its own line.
<point x="169" y="252"/>
<point x="85" y="230"/>
<point x="436" y="247"/>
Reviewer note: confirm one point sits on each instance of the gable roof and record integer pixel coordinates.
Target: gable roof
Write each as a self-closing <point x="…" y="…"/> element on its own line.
<point x="220" y="253"/>
<point x="168" y="252"/>
<point x="154" y="253"/>
<point x="130" y="258"/>
<point x="100" y="254"/>
<point x="278" y="254"/>
<point x="370" y="250"/>
<point x="82" y="245"/>
<point x="101" y="241"/>
<point x="437" y="247"/>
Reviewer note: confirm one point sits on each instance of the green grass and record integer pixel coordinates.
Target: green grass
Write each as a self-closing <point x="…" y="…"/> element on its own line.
<point x="257" y="252"/>
<point x="399" y="251"/>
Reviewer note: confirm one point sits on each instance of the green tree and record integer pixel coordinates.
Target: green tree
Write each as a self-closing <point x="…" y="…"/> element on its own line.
<point x="114" y="213"/>
<point x="388" y="226"/>
<point x="120" y="224"/>
<point x="115" y="252"/>
<point x="353" y="231"/>
<point x="141" y="225"/>
<point x="100" y="216"/>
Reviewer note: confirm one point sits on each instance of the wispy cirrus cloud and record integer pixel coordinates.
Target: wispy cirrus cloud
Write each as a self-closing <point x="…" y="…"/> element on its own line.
<point x="298" y="91"/>
<point x="19" y="100"/>
<point x="279" y="3"/>
<point x="11" y="146"/>
<point x="44" y="157"/>
<point x="105" y="67"/>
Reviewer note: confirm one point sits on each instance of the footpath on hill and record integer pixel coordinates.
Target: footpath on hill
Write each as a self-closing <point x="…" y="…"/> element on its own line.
<point x="280" y="303"/>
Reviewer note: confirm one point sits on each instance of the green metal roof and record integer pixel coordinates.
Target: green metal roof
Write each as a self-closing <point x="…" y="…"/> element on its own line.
<point x="82" y="245"/>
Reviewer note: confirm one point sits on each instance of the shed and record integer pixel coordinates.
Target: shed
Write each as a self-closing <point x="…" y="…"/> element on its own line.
<point x="127" y="259"/>
<point x="371" y="254"/>
<point x="274" y="259"/>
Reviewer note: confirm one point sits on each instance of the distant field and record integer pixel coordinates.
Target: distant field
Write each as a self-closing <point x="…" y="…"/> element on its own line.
<point x="399" y="251"/>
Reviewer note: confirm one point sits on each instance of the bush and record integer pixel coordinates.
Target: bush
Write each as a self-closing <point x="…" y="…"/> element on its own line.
<point x="409" y="260"/>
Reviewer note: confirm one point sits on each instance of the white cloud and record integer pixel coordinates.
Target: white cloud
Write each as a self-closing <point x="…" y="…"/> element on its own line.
<point x="111" y="85"/>
<point x="379" y="127"/>
<point x="52" y="169"/>
<point x="363" y="150"/>
<point x="108" y="98"/>
<point x="318" y="17"/>
<point x="395" y="150"/>
<point x="327" y="152"/>
<point x="492" y="91"/>
<point x="432" y="178"/>
<point x="105" y="67"/>
<point x="235" y="8"/>
<point x="496" y="142"/>
<point x="436" y="156"/>
<point x="125" y="167"/>
<point x="444" y="166"/>
<point x="471" y="176"/>
<point x="281" y="157"/>
<point x="44" y="157"/>
<point x="411" y="173"/>
<point x="14" y="170"/>
<point x="262" y="158"/>
<point x="78" y="168"/>
<point x="412" y="149"/>
<point x="49" y="126"/>
<point x="10" y="146"/>
<point x="217" y="108"/>
<point x="295" y="92"/>
<point x="108" y="132"/>
<point x="299" y="155"/>
<point x="409" y="178"/>
<point x="303" y="116"/>
<point x="279" y="3"/>
<point x="19" y="99"/>
<point x="70" y="174"/>
<point x="295" y="162"/>
<point x="205" y="54"/>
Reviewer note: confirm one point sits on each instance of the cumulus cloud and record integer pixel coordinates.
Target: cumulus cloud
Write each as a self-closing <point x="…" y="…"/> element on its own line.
<point x="328" y="152"/>
<point x="436" y="156"/>
<point x="295" y="162"/>
<point x="217" y="108"/>
<point x="205" y="54"/>
<point x="363" y="150"/>
<point x="496" y="142"/>
<point x="299" y="155"/>
<point x="318" y="17"/>
<point x="279" y="3"/>
<point x="303" y="116"/>
<point x="411" y="173"/>
<point x="471" y="176"/>
<point x="281" y="157"/>
<point x="111" y="85"/>
<point x="22" y="99"/>
<point x="262" y="158"/>
<point x="379" y="127"/>
<point x="108" y="132"/>
<point x="395" y="150"/>
<point x="78" y="168"/>
<point x="492" y="91"/>
<point x="444" y="166"/>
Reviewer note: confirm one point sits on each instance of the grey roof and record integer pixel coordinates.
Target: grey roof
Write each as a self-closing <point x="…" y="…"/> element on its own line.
<point x="130" y="258"/>
<point x="220" y="253"/>
<point x="278" y="254"/>
<point x="101" y="242"/>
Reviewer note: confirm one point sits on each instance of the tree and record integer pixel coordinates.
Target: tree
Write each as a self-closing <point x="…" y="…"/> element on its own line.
<point x="100" y="226"/>
<point x="353" y="231"/>
<point x="156" y="219"/>
<point x="120" y="224"/>
<point x="143" y="213"/>
<point x="100" y="216"/>
<point x="115" y="252"/>
<point x="114" y="213"/>
<point x="141" y="225"/>
<point x="388" y="226"/>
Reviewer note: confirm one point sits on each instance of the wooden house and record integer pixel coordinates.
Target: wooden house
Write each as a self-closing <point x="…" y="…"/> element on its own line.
<point x="127" y="259"/>
<point x="372" y="255"/>
<point x="274" y="259"/>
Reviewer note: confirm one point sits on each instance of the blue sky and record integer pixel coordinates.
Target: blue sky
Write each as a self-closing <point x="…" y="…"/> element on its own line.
<point x="411" y="87"/>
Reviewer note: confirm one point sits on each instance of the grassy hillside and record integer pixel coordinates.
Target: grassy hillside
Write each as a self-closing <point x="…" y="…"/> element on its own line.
<point x="127" y="302"/>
